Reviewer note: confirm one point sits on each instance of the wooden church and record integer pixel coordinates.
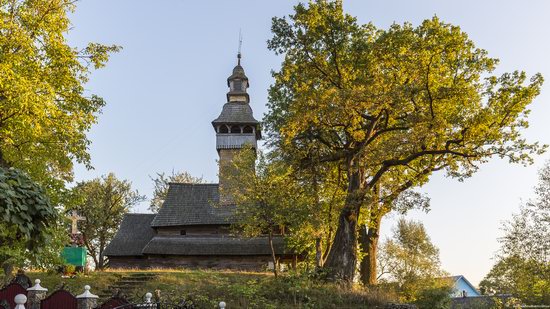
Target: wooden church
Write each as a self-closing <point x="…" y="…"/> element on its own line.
<point x="192" y="228"/>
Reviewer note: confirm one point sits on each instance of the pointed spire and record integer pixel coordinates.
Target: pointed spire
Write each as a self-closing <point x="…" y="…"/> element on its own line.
<point x="238" y="82"/>
<point x="240" y="45"/>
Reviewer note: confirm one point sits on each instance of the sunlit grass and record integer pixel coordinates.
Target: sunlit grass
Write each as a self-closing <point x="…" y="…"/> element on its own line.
<point x="240" y="289"/>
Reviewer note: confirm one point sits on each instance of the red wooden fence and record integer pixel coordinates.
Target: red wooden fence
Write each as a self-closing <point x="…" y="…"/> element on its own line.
<point x="59" y="299"/>
<point x="9" y="291"/>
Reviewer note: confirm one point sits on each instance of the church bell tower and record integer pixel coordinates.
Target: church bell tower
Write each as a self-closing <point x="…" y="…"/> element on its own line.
<point x="236" y="127"/>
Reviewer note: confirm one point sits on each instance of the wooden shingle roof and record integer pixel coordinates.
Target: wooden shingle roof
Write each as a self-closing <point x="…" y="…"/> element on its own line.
<point x="132" y="236"/>
<point x="192" y="204"/>
<point x="236" y="112"/>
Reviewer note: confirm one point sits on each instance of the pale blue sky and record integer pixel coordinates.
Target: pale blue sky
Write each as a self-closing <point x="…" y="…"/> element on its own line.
<point x="168" y="84"/>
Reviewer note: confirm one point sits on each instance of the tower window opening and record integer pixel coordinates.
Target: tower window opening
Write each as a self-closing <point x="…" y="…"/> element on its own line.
<point x="248" y="129"/>
<point x="223" y="129"/>
<point x="237" y="85"/>
<point x="235" y="129"/>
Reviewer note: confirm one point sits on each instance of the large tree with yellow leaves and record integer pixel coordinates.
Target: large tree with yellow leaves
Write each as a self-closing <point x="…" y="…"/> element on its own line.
<point x="45" y="111"/>
<point x="45" y="114"/>
<point x="389" y="107"/>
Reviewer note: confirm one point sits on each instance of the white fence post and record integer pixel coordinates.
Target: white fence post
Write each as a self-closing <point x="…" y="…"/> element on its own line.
<point x="148" y="297"/>
<point x="222" y="305"/>
<point x="20" y="300"/>
<point x="35" y="295"/>
<point x="87" y="300"/>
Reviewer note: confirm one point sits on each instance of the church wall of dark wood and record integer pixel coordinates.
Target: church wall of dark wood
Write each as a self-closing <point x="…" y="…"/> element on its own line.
<point x="258" y="263"/>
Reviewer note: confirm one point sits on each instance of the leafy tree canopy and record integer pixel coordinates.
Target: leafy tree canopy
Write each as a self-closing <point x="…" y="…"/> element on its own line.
<point x="267" y="200"/>
<point x="389" y="105"/>
<point x="522" y="266"/>
<point x="410" y="259"/>
<point x="28" y="219"/>
<point x="103" y="202"/>
<point x="45" y="111"/>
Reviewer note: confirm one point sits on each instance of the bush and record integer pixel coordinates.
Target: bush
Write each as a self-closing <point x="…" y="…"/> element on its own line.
<point x="69" y="269"/>
<point x="434" y="298"/>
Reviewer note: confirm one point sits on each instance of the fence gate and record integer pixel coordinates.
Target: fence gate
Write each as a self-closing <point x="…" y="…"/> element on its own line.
<point x="59" y="299"/>
<point x="7" y="294"/>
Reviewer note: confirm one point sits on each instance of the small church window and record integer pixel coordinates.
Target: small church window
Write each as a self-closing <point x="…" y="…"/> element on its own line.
<point x="223" y="129"/>
<point x="235" y="129"/>
<point x="183" y="232"/>
<point x="248" y="129"/>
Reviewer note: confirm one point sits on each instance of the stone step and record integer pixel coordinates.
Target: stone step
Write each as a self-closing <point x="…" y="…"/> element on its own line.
<point x="127" y="284"/>
<point x="142" y="275"/>
<point x="131" y="282"/>
<point x="123" y="287"/>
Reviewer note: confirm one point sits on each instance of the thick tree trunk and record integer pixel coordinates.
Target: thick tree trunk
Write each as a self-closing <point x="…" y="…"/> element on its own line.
<point x="342" y="258"/>
<point x="368" y="237"/>
<point x="100" y="263"/>
<point x="91" y="251"/>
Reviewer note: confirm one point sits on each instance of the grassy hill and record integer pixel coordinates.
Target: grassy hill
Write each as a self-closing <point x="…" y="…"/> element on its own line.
<point x="206" y="288"/>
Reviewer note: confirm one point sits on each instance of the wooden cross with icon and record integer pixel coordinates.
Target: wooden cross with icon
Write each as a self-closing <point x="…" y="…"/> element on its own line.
<point x="74" y="217"/>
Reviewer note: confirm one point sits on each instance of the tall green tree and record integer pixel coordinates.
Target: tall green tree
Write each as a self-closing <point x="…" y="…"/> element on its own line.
<point x="45" y="111"/>
<point x="324" y="195"/>
<point x="394" y="104"/>
<point x="102" y="202"/>
<point x="162" y="183"/>
<point x="410" y="259"/>
<point x="522" y="266"/>
<point x="29" y="220"/>
<point x="386" y="198"/>
<point x="268" y="201"/>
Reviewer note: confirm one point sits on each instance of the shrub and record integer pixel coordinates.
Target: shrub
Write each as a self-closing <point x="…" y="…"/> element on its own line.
<point x="69" y="269"/>
<point x="434" y="298"/>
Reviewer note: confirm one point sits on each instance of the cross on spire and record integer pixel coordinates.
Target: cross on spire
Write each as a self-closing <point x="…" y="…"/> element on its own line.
<point x="240" y="45"/>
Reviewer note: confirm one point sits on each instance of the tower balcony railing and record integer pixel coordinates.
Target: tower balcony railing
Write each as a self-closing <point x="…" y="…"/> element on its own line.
<point x="235" y="140"/>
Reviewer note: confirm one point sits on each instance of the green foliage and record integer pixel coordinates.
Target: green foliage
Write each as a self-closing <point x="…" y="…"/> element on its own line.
<point x="162" y="183"/>
<point x="522" y="266"/>
<point x="434" y="298"/>
<point x="263" y="190"/>
<point x="25" y="206"/>
<point x="52" y="280"/>
<point x="206" y="288"/>
<point x="69" y="269"/>
<point x="44" y="110"/>
<point x="268" y="200"/>
<point x="103" y="202"/>
<point x="411" y="261"/>
<point x="389" y="105"/>
<point x="29" y="221"/>
<point x="525" y="279"/>
<point x="272" y="196"/>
